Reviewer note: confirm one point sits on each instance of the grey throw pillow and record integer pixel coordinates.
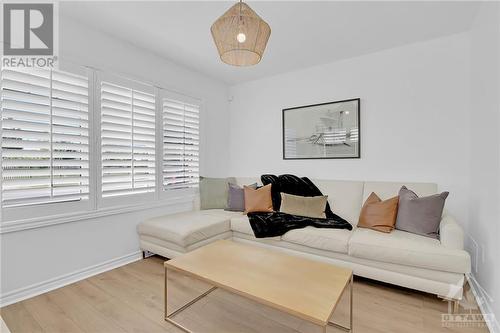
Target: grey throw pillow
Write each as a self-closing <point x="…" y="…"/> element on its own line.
<point x="236" y="197"/>
<point x="214" y="192"/>
<point x="420" y="216"/>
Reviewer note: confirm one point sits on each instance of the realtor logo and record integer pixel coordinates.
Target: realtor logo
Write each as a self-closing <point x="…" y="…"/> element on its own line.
<point x="28" y="30"/>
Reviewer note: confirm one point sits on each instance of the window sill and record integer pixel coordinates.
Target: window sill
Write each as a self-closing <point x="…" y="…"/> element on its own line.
<point x="44" y="221"/>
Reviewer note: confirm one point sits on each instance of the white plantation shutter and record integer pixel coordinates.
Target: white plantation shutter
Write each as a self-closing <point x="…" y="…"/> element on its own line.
<point x="127" y="140"/>
<point x="45" y="137"/>
<point x="181" y="138"/>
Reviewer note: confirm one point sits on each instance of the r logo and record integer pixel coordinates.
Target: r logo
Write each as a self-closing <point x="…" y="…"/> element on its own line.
<point x="28" y="29"/>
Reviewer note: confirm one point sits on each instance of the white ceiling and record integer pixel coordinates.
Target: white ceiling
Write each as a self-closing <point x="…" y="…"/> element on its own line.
<point x="303" y="33"/>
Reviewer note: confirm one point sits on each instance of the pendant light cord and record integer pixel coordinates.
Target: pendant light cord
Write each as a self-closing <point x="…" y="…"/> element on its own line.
<point x="241" y="1"/>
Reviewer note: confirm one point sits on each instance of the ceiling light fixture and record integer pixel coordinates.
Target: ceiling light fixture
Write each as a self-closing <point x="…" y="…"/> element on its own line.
<point x="240" y="36"/>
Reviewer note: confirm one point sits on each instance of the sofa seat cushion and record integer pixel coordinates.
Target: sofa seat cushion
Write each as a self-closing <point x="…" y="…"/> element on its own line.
<point x="335" y="240"/>
<point x="241" y="224"/>
<point x="404" y="248"/>
<point x="187" y="228"/>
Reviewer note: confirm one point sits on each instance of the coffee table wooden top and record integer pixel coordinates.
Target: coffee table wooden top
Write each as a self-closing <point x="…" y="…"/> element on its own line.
<point x="301" y="287"/>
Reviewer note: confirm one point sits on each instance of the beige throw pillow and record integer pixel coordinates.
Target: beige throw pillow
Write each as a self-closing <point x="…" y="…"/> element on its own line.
<point x="304" y="206"/>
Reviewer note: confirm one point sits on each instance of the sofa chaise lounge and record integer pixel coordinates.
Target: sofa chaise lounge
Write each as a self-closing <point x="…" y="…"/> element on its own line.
<point x="400" y="258"/>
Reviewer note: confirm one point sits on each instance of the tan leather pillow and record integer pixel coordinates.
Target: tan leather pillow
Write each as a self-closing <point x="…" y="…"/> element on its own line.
<point x="379" y="215"/>
<point x="304" y="206"/>
<point x="258" y="200"/>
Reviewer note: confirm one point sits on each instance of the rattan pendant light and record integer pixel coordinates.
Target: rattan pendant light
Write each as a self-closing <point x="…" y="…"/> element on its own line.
<point x="240" y="36"/>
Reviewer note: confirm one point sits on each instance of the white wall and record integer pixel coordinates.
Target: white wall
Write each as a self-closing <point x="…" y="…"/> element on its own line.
<point x="32" y="259"/>
<point x="484" y="199"/>
<point x="414" y="117"/>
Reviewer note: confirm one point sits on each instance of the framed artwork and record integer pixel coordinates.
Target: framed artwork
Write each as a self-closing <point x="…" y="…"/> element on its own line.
<point x="327" y="130"/>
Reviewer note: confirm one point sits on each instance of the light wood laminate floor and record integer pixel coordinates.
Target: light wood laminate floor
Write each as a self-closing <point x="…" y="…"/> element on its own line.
<point x="130" y="299"/>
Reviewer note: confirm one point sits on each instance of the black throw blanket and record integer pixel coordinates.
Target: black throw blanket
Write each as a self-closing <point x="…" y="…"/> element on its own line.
<point x="277" y="223"/>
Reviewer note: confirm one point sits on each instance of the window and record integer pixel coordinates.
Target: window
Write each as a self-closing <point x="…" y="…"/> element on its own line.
<point x="45" y="137"/>
<point x="127" y="140"/>
<point x="75" y="143"/>
<point x="181" y="139"/>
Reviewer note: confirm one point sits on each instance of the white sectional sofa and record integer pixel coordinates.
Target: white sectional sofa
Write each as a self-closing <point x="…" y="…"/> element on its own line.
<point x="399" y="258"/>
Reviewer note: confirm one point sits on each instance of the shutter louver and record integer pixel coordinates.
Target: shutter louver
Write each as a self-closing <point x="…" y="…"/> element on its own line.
<point x="45" y="128"/>
<point x="127" y="140"/>
<point x="181" y="139"/>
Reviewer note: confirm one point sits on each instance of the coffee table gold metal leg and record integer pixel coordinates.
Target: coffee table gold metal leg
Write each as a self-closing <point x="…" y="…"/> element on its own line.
<point x="165" y="293"/>
<point x="350" y="302"/>
<point x="191" y="302"/>
<point x="173" y="313"/>
<point x="347" y="329"/>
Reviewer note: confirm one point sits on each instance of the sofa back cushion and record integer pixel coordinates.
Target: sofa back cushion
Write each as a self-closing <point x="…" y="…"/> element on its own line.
<point x="344" y="196"/>
<point x="386" y="190"/>
<point x="242" y="181"/>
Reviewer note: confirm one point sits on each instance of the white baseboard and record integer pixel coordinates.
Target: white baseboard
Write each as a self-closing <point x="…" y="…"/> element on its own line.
<point x="484" y="302"/>
<point x="63" y="280"/>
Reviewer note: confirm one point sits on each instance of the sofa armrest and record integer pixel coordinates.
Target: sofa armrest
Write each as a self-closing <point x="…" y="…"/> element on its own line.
<point x="451" y="234"/>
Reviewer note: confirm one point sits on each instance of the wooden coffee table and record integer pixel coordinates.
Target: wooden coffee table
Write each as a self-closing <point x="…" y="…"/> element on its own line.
<point x="301" y="287"/>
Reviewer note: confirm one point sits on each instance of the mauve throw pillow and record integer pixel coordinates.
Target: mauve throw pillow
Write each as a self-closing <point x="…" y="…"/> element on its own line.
<point x="236" y="197"/>
<point x="420" y="216"/>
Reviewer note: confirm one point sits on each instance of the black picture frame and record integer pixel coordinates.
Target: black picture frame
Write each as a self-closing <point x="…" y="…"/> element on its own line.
<point x="358" y="112"/>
